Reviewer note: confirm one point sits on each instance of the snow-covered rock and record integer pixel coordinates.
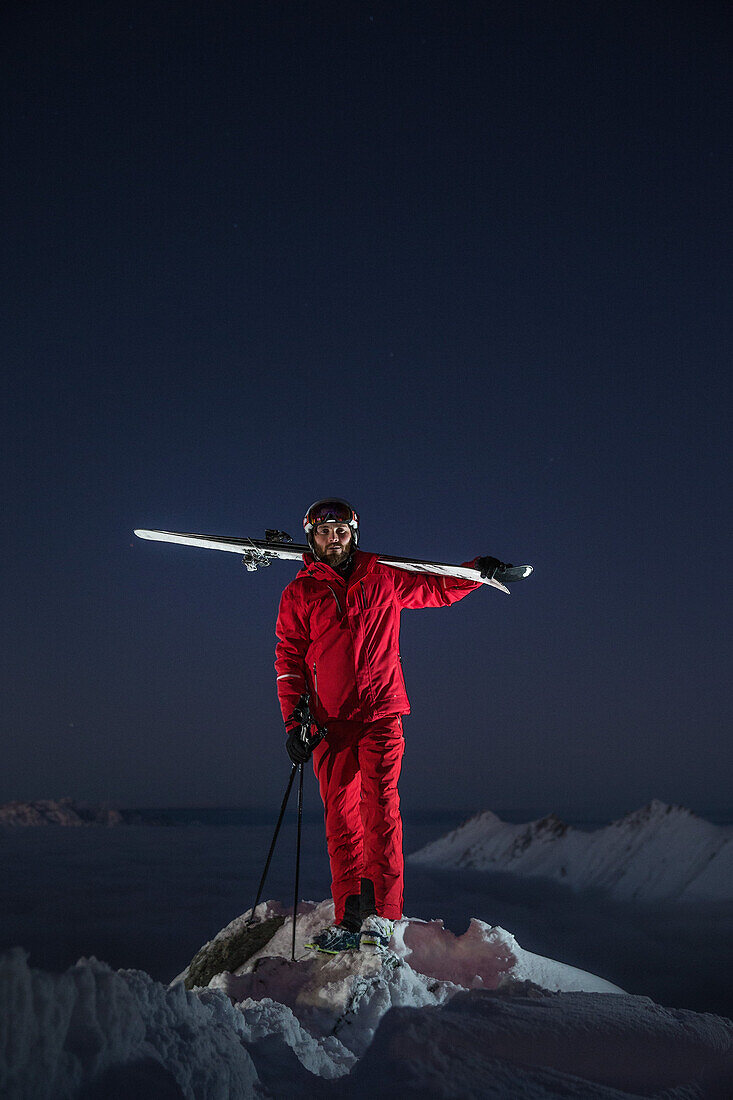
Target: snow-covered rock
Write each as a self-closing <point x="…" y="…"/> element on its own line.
<point x="657" y="852"/>
<point x="340" y="1000"/>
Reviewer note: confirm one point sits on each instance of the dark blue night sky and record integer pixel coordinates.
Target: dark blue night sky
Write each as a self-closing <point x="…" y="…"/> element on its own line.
<point x="465" y="264"/>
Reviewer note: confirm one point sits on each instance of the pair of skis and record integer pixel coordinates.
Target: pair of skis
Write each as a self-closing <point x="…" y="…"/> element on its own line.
<point x="278" y="546"/>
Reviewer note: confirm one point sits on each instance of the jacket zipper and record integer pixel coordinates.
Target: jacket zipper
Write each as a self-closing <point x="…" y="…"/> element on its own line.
<point x="338" y="605"/>
<point x="315" y="678"/>
<point x="368" y="663"/>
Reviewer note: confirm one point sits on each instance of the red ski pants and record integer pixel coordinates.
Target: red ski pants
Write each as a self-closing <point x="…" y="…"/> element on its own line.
<point x="357" y="769"/>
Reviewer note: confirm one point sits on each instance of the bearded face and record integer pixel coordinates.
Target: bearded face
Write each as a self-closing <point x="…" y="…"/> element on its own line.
<point x="333" y="543"/>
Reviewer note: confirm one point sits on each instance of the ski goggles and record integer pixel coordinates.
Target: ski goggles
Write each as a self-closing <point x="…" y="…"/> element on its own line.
<point x="330" y="511"/>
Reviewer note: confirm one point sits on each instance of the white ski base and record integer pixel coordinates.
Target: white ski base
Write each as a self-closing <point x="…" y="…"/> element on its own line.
<point x="259" y="548"/>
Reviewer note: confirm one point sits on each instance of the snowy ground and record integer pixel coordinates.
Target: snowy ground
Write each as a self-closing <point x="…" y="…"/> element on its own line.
<point x="440" y="1015"/>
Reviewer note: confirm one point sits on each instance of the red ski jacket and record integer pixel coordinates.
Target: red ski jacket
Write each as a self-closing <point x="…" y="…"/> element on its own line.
<point x="339" y="639"/>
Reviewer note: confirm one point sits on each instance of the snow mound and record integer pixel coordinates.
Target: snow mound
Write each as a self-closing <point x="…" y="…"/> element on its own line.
<point x="657" y="852"/>
<point x="439" y="1015"/>
<point x="340" y="1000"/>
<point x="487" y="1045"/>
<point x="92" y="1027"/>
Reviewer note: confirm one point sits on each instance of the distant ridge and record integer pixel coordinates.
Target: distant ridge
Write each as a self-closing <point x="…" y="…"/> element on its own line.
<point x="68" y="812"/>
<point x="61" y="811"/>
<point x="659" y="851"/>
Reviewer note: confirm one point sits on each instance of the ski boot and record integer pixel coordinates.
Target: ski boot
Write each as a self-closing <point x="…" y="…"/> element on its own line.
<point x="376" y="933"/>
<point x="335" y="939"/>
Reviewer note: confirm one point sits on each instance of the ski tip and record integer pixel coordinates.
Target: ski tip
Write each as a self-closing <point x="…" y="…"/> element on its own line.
<point x="154" y="536"/>
<point x="513" y="573"/>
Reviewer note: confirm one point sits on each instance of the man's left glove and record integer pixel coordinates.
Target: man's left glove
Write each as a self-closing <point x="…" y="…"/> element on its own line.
<point x="487" y="566"/>
<point x="299" y="750"/>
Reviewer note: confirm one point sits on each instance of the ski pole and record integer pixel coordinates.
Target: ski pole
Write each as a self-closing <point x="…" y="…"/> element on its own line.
<point x="297" y="858"/>
<point x="306" y="720"/>
<point x="261" y="887"/>
<point x="303" y="715"/>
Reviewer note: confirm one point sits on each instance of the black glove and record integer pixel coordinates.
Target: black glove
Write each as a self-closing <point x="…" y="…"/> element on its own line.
<point x="487" y="566"/>
<point x="298" y="750"/>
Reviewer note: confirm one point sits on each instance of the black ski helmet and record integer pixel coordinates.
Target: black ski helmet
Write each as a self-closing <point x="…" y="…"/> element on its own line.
<point x="330" y="510"/>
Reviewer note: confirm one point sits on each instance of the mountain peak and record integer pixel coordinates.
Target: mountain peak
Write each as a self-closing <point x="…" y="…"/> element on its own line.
<point x="656" y="810"/>
<point x="658" y="851"/>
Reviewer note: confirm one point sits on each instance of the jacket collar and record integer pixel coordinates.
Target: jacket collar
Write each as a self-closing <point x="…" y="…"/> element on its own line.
<point x="363" y="563"/>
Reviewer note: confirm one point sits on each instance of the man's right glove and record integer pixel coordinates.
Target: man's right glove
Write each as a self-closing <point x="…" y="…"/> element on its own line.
<point x="299" y="750"/>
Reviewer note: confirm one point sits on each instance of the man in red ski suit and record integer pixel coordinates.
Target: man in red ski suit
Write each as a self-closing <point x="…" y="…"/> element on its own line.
<point x="338" y="639"/>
